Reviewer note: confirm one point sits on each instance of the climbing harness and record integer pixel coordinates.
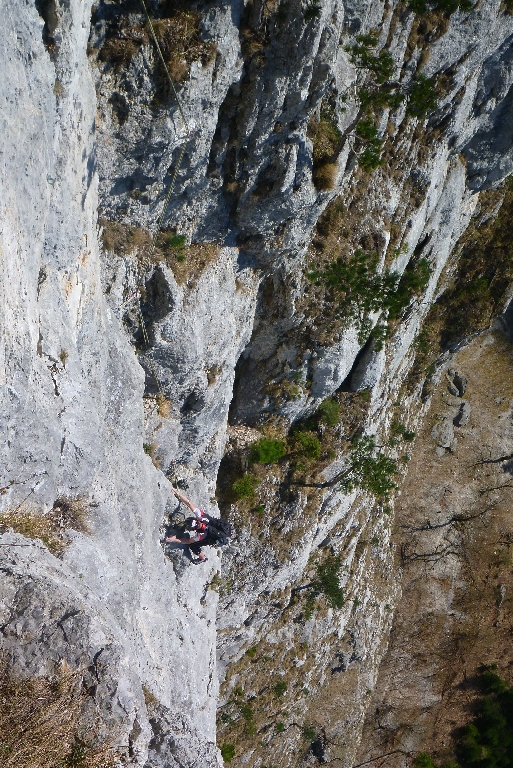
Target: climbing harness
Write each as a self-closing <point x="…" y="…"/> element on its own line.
<point x="188" y="134"/>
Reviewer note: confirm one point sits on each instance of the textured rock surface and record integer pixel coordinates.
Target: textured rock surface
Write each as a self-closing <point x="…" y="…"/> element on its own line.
<point x="226" y="336"/>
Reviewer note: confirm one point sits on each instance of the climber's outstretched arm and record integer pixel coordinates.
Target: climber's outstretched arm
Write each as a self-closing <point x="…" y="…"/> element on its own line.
<point x="185" y="500"/>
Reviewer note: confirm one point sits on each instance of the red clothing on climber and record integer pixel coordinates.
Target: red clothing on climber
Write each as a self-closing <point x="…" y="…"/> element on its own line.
<point x="200" y="528"/>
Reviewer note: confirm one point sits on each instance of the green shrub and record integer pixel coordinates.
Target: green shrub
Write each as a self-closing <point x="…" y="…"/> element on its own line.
<point x="327" y="582"/>
<point x="413" y="280"/>
<point x="267" y="451"/>
<point x="76" y="758"/>
<point x="357" y="286"/>
<point x="369" y="468"/>
<point x="400" y="430"/>
<point x="488" y="741"/>
<point x="380" y="333"/>
<point x="379" y="97"/>
<point x="329" y="412"/>
<point x="246" y="712"/>
<point x="370" y="158"/>
<point x="423" y="97"/>
<point x="361" y="290"/>
<point x="280" y="727"/>
<point x="381" y="64"/>
<point x="367" y="130"/>
<point x="227" y="752"/>
<point x="280" y="688"/>
<point x="308" y="444"/>
<point x="309" y="733"/>
<point x="173" y="244"/>
<point x="423" y="761"/>
<point x="446" y="6"/>
<point x="244" y="487"/>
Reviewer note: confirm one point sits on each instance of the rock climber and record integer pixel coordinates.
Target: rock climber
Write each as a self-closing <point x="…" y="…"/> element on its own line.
<point x="199" y="525"/>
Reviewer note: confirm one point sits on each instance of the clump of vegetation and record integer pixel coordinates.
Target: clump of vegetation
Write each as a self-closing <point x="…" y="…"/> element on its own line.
<point x="280" y="688"/>
<point x="325" y="176"/>
<point x="163" y="406"/>
<point x="412" y="282"/>
<point x="178" y="34"/>
<point x="227" y="752"/>
<point x="123" y="240"/>
<point x="180" y="42"/>
<point x="423" y="760"/>
<point x="49" y="527"/>
<point x="63" y="356"/>
<point x="369" y="468"/>
<point x="370" y="157"/>
<point x="380" y="92"/>
<point x="150" y="449"/>
<point x="360" y="289"/>
<point x="247" y="715"/>
<point x="357" y="286"/>
<point x="40" y="722"/>
<point x="267" y="451"/>
<point x="309" y="733"/>
<point x="422" y="97"/>
<point x="445" y="6"/>
<point x="362" y="54"/>
<point x="327" y="141"/>
<point x="329" y="412"/>
<point x="326" y="582"/>
<point x="172" y="245"/>
<point x="245" y="487"/>
<point x="487" y="742"/>
<point x="308" y="444"/>
<point x="399" y="430"/>
<point x="280" y="727"/>
<point x="120" y="51"/>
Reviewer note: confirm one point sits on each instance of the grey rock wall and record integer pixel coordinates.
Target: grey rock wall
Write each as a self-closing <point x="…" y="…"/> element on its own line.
<point x="81" y="135"/>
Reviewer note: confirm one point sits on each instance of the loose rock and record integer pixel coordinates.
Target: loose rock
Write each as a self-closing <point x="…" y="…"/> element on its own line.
<point x="443" y="433"/>
<point x="463" y="416"/>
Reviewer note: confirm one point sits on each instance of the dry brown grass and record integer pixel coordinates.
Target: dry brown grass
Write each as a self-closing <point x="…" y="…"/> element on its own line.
<point x="163" y="406"/>
<point x="326" y="142"/>
<point x="198" y="256"/>
<point x="40" y="723"/>
<point x="118" y="51"/>
<point x="123" y="240"/>
<point x="49" y="527"/>
<point x="325" y="176"/>
<point x="178" y="36"/>
<point x="180" y="42"/>
<point x="187" y="262"/>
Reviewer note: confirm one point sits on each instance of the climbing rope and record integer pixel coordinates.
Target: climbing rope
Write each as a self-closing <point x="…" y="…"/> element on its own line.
<point x="170" y="189"/>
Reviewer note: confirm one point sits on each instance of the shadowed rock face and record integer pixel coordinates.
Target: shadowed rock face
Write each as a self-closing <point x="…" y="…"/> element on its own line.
<point x="489" y="152"/>
<point x="238" y="335"/>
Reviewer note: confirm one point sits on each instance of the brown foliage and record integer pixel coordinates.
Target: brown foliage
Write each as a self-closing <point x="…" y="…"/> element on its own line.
<point x="325" y="176"/>
<point x="49" y="527"/>
<point x="40" y="720"/>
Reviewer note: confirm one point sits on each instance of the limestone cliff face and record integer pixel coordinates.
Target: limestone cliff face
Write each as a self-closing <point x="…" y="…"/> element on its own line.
<point x="238" y="338"/>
